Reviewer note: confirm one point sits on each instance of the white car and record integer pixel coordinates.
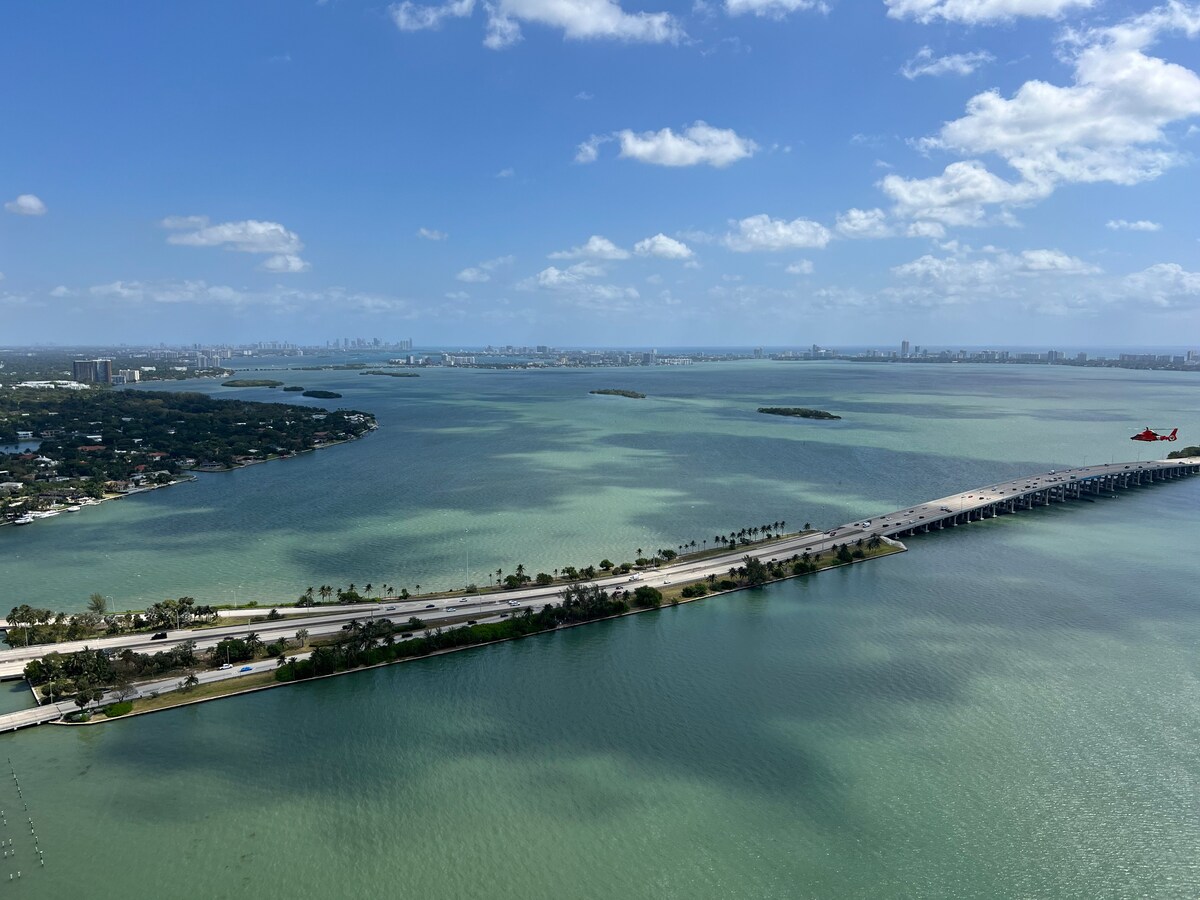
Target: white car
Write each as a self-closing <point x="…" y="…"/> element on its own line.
<point x="634" y="577"/>
<point x="225" y="666"/>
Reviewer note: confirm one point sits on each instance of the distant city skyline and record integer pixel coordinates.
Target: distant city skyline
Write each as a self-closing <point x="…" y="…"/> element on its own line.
<point x="965" y="173"/>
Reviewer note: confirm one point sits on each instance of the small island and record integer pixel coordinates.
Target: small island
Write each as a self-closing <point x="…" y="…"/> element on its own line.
<point x="615" y="392"/>
<point x="251" y="382"/>
<point x="1185" y="453"/>
<point x="322" y="395"/>
<point x="294" y="387"/>
<point x="391" y="374"/>
<point x="798" y="412"/>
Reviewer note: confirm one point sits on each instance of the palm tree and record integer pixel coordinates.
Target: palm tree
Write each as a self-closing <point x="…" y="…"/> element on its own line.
<point x="368" y="589"/>
<point x="279" y="663"/>
<point x="808" y="526"/>
<point x="325" y="591"/>
<point x="874" y="542"/>
<point x="253" y="643"/>
<point x="302" y="636"/>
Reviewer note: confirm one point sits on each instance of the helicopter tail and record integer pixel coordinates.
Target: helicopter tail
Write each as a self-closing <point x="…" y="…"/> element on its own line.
<point x="1172" y="436"/>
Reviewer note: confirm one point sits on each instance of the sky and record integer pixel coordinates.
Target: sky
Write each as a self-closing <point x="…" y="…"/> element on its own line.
<point x="601" y="173"/>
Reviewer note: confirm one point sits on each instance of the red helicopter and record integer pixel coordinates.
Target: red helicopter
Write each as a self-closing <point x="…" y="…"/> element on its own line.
<point x="1149" y="435"/>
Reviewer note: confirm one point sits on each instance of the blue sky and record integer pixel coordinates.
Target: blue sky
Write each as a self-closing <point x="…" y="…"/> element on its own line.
<point x="777" y="172"/>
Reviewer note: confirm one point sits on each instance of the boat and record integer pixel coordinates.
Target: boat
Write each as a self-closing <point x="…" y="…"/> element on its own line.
<point x="23" y="520"/>
<point x="73" y="509"/>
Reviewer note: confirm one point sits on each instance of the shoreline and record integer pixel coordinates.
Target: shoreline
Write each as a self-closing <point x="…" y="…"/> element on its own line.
<point x="192" y="474"/>
<point x="98" y="717"/>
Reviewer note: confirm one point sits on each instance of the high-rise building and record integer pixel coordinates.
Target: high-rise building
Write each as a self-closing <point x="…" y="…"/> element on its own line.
<point x="904" y="349"/>
<point x="92" y="371"/>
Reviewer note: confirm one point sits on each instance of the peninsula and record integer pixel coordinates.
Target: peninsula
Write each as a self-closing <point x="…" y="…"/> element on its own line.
<point x="96" y="444"/>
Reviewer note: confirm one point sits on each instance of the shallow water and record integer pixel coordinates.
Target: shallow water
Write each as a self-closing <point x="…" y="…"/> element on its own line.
<point x="1010" y="709"/>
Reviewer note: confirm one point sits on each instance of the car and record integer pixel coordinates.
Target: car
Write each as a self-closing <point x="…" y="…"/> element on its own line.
<point x="225" y="666"/>
<point x="158" y="636"/>
<point x="388" y="608"/>
<point x="406" y="634"/>
<point x="347" y="626"/>
<point x="666" y="581"/>
<point x="472" y="622"/>
<point x="246" y="669"/>
<point x="634" y="577"/>
<point x="866" y="524"/>
<point x="431" y="606"/>
<point x="946" y="509"/>
<point x="504" y="615"/>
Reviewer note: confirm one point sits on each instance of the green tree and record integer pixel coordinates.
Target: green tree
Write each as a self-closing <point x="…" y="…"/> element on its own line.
<point x="756" y="572"/>
<point x="647" y="596"/>
<point x="98" y="604"/>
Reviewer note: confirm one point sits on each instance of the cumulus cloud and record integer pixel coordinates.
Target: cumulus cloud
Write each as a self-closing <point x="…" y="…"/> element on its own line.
<point x="1164" y="285"/>
<point x="431" y="234"/>
<point x="863" y="223"/>
<point x="663" y="247"/>
<point x="774" y="9"/>
<point x="1107" y="126"/>
<point x="959" y="196"/>
<point x="800" y="267"/>
<point x="974" y="12"/>
<point x="1054" y="261"/>
<point x="761" y="232"/>
<point x="285" y="262"/>
<point x="483" y="272"/>
<point x="410" y="16"/>
<point x="597" y="247"/>
<point x="925" y="63"/>
<point x="249" y="236"/>
<point x="577" y="19"/>
<point x="26" y="205"/>
<point x="1139" y="225"/>
<point x="698" y="144"/>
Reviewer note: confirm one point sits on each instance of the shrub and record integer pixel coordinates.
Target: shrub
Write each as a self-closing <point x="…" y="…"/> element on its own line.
<point x="118" y="709"/>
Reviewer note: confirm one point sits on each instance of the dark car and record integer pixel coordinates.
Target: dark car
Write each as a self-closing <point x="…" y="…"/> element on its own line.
<point x="406" y="634"/>
<point x="431" y="606"/>
<point x="347" y="626"/>
<point x="159" y="636"/>
<point x="472" y="622"/>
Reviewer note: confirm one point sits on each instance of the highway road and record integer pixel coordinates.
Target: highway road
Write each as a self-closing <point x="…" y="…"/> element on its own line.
<point x="325" y="621"/>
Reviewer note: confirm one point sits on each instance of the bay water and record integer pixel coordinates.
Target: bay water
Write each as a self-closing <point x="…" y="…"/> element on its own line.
<point x="1010" y="709"/>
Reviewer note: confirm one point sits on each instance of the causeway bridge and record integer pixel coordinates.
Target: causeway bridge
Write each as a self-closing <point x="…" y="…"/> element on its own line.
<point x="972" y="505"/>
<point x="1055" y="486"/>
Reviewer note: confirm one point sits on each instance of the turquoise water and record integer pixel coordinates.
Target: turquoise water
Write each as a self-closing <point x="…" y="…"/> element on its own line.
<point x="1010" y="709"/>
<point x="474" y="470"/>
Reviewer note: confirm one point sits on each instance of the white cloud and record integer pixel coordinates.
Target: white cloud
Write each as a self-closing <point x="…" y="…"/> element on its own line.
<point x="26" y="205"/>
<point x="925" y="63"/>
<point x="1054" y="261"/>
<point x="410" y="16"/>
<point x="863" y="223"/>
<point x="1164" y="285"/>
<point x="507" y="172"/>
<point x="959" y="196"/>
<point x="597" y="247"/>
<point x="1107" y="126"/>
<point x="663" y="247"/>
<point x="800" y="267"/>
<point x="483" y="272"/>
<point x="589" y="150"/>
<point x="577" y="19"/>
<point x="774" y="9"/>
<point x="285" y="262"/>
<point x="761" y="232"/>
<point x="934" y="230"/>
<point x="1139" y="225"/>
<point x="431" y="234"/>
<point x="61" y="291"/>
<point x="249" y="236"/>
<point x="698" y="144"/>
<point x="978" y="11"/>
<point x="278" y="299"/>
